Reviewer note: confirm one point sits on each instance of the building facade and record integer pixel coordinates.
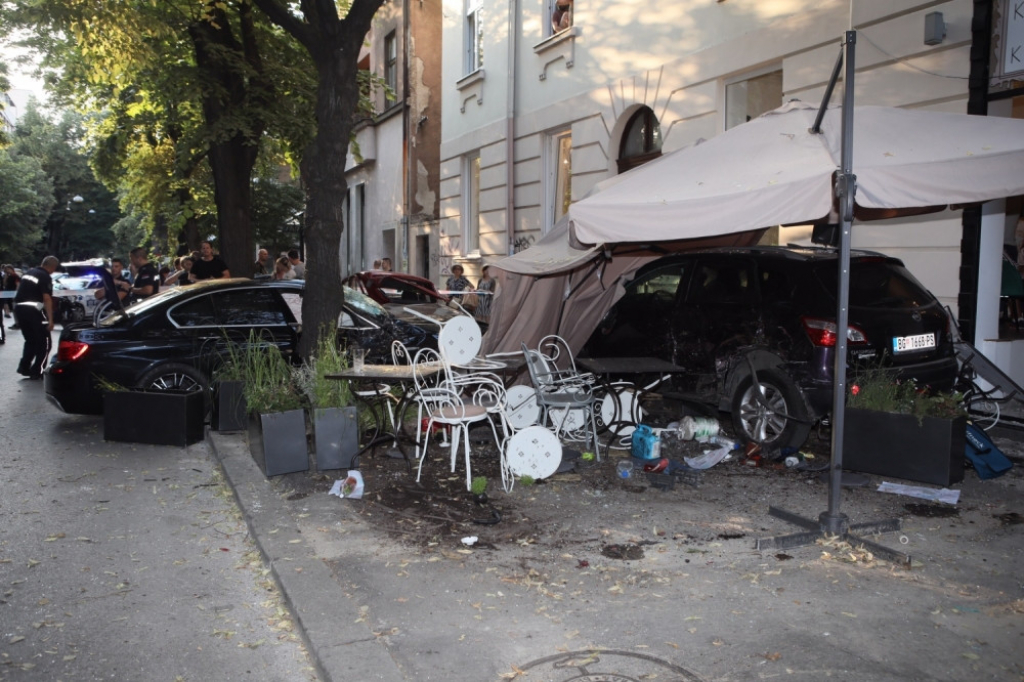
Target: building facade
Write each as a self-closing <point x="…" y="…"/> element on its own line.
<point x="392" y="170"/>
<point x="543" y="99"/>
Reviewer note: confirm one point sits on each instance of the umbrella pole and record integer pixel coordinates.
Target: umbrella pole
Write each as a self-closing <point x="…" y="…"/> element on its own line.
<point x="833" y="522"/>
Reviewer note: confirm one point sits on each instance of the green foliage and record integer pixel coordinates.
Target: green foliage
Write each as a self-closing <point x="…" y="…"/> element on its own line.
<point x="479" y="485"/>
<point x="878" y="390"/>
<point x="526" y="480"/>
<point x="313" y="383"/>
<point x="266" y="374"/>
<point x="26" y="195"/>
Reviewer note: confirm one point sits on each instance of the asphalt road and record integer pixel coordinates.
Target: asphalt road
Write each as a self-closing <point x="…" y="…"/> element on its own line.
<point x="125" y="562"/>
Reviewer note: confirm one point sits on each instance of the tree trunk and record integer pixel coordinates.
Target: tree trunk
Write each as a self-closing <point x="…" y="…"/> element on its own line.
<point x="323" y="172"/>
<point x="232" y="163"/>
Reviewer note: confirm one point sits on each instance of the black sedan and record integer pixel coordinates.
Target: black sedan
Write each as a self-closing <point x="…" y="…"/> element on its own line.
<point x="175" y="340"/>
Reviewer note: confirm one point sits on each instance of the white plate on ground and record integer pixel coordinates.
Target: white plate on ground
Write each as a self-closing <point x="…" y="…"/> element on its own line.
<point x="534" y="452"/>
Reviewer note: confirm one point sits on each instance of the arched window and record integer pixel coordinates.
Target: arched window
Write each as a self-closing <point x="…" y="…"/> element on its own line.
<point x="642" y="140"/>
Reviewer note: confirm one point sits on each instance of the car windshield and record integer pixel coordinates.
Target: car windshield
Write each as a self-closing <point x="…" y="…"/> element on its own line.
<point x="876" y="283"/>
<point x="364" y="304"/>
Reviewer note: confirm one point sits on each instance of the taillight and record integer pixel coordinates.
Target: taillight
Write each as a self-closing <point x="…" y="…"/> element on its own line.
<point x="823" y="333"/>
<point x="69" y="351"/>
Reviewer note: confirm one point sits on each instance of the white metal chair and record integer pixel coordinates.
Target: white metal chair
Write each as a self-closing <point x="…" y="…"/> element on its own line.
<point x="456" y="404"/>
<point x="566" y="398"/>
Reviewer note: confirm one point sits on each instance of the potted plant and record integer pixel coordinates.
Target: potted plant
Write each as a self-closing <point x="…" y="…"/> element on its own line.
<point x="156" y="417"/>
<point x="335" y="426"/>
<point x="277" y="433"/>
<point x="896" y="428"/>
<point x="230" y="412"/>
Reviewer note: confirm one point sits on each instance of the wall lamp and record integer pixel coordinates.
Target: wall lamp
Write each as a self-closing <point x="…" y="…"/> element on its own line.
<point x="934" y="29"/>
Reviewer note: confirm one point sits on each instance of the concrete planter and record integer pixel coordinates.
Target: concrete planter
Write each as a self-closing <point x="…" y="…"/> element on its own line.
<point x="154" y="417"/>
<point x="229" y="407"/>
<point x="335" y="437"/>
<point x="278" y="443"/>
<point x="900" y="446"/>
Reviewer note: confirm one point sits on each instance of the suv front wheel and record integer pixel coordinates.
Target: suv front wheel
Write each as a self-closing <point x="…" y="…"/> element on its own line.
<point x="778" y="417"/>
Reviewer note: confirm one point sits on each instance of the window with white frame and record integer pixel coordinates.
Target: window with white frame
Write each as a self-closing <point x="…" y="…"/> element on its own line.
<point x="558" y="176"/>
<point x="749" y="98"/>
<point x="391" y="61"/>
<point x="471" y="201"/>
<point x="474" y="36"/>
<point x="559" y="14"/>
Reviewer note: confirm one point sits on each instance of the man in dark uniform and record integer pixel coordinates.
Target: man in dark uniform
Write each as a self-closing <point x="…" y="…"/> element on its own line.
<point x="121" y="283"/>
<point x="147" y="279"/>
<point x="34" y="297"/>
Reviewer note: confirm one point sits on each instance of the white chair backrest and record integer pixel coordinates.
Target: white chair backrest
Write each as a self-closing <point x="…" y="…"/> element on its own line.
<point x="425" y="356"/>
<point x="400" y="354"/>
<point x="556" y="349"/>
<point x="460" y="340"/>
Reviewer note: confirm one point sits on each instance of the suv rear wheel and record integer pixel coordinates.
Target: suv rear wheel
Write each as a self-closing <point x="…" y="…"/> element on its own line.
<point x="779" y="419"/>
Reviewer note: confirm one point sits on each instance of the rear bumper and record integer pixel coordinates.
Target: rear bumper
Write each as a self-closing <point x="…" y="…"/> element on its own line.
<point x="71" y="391"/>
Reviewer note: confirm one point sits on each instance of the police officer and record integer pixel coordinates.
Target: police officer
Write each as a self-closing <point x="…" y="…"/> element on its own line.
<point x="147" y="279"/>
<point x="34" y="297"/>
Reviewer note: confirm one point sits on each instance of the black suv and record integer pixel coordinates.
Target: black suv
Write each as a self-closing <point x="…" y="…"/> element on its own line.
<point x="721" y="312"/>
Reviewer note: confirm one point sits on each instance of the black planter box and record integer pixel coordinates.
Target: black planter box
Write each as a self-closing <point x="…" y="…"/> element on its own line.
<point x="229" y="407"/>
<point x="277" y="441"/>
<point x="900" y="446"/>
<point x="335" y="437"/>
<point x="154" y="417"/>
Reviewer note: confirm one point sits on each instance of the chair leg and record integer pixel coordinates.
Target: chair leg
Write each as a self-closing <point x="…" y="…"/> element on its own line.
<point x="423" y="456"/>
<point x="469" y="474"/>
<point x="455" y="436"/>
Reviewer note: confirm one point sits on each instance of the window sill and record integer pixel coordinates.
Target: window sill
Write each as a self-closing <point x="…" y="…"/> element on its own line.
<point x="562" y="45"/>
<point x="471" y="79"/>
<point x="471" y="87"/>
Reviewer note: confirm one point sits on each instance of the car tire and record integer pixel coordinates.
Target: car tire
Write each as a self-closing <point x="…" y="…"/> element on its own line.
<point x="174" y="376"/>
<point x="754" y="422"/>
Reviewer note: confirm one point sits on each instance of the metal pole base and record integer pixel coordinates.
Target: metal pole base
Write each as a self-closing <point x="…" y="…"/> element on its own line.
<point x="830" y="525"/>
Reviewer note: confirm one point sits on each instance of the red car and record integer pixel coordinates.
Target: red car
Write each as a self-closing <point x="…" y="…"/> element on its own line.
<point x="401" y="293"/>
<point x="397" y="288"/>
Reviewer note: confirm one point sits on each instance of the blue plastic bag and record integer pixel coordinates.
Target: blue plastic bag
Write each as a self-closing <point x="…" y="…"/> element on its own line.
<point x="984" y="456"/>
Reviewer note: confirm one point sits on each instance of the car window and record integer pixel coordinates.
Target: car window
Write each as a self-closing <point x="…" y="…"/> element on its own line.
<point x="776" y="285"/>
<point x="877" y="283"/>
<point x="248" y="307"/>
<point x="198" y="312"/>
<point x="722" y="282"/>
<point x="404" y="292"/>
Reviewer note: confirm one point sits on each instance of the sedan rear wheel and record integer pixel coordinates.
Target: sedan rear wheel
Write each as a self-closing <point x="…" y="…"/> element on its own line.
<point x="174" y="377"/>
<point x="778" y="416"/>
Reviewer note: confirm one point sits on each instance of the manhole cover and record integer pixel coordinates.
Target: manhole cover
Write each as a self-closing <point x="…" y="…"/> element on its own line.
<point x="606" y="666"/>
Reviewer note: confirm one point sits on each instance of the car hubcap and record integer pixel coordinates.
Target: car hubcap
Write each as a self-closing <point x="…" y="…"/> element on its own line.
<point x="175" y="382"/>
<point x="763" y="423"/>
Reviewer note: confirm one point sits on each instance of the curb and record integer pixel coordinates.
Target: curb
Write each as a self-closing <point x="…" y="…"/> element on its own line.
<point x="342" y="646"/>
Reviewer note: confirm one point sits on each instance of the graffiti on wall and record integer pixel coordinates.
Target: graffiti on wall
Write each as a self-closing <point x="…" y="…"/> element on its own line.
<point x="523" y="243"/>
<point x="448" y="248"/>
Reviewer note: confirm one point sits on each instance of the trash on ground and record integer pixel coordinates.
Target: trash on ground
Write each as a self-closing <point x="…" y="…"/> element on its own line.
<point x="470" y="540"/>
<point x="934" y="494"/>
<point x="350" y="486"/>
<point x="708" y="459"/>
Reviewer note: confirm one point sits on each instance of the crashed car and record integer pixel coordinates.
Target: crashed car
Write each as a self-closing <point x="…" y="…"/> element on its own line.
<point x="406" y="296"/>
<point x="175" y="339"/>
<point x="728" y="314"/>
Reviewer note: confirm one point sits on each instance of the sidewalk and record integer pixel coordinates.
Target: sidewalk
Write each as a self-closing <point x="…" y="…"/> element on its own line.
<point x="698" y="602"/>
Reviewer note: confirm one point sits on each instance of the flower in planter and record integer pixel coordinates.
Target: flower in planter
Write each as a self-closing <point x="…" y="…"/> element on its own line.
<point x="879" y="390"/>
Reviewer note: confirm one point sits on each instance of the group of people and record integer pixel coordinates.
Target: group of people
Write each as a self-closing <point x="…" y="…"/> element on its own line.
<point x="286" y="266"/>
<point x="479" y="305"/>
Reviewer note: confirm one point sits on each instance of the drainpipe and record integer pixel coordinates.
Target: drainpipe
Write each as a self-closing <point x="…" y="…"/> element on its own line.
<point x="407" y="135"/>
<point x="510" y="127"/>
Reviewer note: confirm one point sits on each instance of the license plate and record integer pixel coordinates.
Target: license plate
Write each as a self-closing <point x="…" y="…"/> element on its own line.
<point x="901" y="344"/>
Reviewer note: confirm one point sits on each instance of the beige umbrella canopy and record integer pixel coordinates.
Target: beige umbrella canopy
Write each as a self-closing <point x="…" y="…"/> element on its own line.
<point x="773" y="171"/>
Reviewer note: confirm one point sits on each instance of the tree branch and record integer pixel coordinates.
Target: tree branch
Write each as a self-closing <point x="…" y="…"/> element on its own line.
<point x="280" y="15"/>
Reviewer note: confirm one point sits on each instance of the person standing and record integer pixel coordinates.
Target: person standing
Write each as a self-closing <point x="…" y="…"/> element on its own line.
<point x="11" y="280"/>
<point x="487" y="286"/>
<point x="121" y="283"/>
<point x="298" y="266"/>
<point x="33" y="311"/>
<point x="209" y="266"/>
<point x="262" y="266"/>
<point x="385" y="264"/>
<point x="147" y="279"/>
<point x="458" y="281"/>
